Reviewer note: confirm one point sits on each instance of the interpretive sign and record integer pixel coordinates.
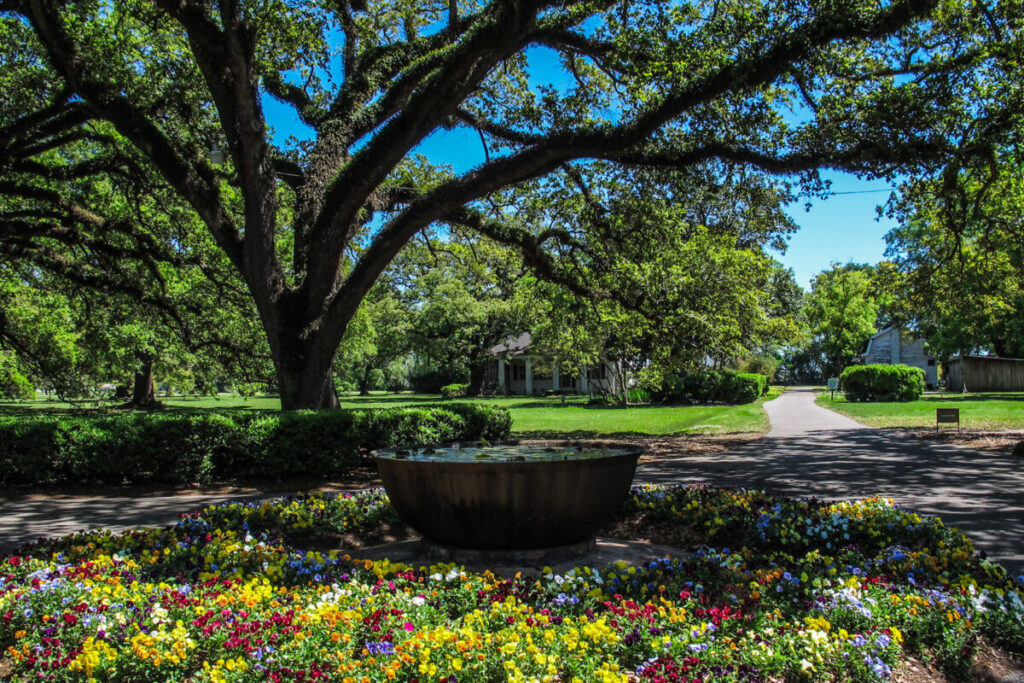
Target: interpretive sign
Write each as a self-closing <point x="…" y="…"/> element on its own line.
<point x="949" y="415"/>
<point x="833" y="384"/>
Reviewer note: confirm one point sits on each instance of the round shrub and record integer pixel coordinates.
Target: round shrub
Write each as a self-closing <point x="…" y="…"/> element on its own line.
<point x="882" y="383"/>
<point x="744" y="387"/>
<point x="718" y="386"/>
<point x="704" y="387"/>
<point x="454" y="390"/>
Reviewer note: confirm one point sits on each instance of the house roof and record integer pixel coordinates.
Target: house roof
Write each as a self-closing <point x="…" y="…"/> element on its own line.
<point x="881" y="332"/>
<point x="513" y="346"/>
<point x="885" y="330"/>
<point x="867" y="345"/>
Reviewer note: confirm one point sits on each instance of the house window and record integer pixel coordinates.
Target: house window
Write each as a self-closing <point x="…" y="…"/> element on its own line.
<point x="931" y="361"/>
<point x="518" y="372"/>
<point x="600" y="372"/>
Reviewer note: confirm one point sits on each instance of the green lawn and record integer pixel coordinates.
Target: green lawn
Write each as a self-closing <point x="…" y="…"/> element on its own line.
<point x="983" y="410"/>
<point x="531" y="416"/>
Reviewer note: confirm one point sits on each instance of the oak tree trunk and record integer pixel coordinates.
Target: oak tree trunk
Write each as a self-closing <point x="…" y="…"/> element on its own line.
<point x="364" y="382"/>
<point x="144" y="388"/>
<point x="477" y="373"/>
<point x="305" y="376"/>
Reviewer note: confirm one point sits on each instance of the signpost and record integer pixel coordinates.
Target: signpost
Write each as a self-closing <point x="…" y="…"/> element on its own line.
<point x="947" y="415"/>
<point x="833" y="384"/>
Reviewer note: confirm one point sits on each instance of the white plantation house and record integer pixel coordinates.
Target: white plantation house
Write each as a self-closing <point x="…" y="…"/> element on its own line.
<point x="512" y="371"/>
<point x="893" y="346"/>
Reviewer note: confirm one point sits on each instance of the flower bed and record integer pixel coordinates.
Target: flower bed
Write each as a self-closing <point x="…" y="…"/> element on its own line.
<point x="779" y="588"/>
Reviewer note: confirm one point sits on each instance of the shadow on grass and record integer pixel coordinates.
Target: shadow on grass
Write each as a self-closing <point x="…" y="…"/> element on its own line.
<point x="391" y="399"/>
<point x="14" y="410"/>
<point x="639" y="407"/>
<point x="582" y="434"/>
<point x="942" y="398"/>
<point x="204" y="410"/>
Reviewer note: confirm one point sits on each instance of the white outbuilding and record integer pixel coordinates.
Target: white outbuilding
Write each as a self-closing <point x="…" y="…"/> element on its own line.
<point x="893" y="346"/>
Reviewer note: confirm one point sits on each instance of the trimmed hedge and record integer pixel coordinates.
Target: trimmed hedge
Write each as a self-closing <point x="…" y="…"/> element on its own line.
<point x="184" y="448"/>
<point x="454" y="390"/>
<point x="717" y="386"/>
<point x="882" y="383"/>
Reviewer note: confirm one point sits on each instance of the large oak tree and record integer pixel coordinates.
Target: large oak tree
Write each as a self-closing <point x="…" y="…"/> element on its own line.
<point x="103" y="269"/>
<point x="783" y="87"/>
<point x="958" y="270"/>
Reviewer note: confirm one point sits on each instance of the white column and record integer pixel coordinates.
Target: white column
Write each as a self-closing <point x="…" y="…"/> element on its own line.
<point x="584" y="384"/>
<point x="501" y="373"/>
<point x="556" y="381"/>
<point x="529" y="376"/>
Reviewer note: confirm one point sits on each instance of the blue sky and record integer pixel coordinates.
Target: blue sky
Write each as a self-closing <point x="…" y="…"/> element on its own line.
<point x="843" y="228"/>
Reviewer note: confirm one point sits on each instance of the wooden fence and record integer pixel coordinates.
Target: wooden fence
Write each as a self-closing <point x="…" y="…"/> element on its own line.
<point x="985" y="373"/>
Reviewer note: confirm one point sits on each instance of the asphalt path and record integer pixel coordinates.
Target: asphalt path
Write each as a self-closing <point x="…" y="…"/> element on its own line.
<point x="812" y="451"/>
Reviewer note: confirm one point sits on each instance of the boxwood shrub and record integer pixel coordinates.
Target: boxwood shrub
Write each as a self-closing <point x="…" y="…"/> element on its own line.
<point x="454" y="390"/>
<point x="185" y="448"/>
<point x="882" y="383"/>
<point x="745" y="387"/>
<point x="716" y="386"/>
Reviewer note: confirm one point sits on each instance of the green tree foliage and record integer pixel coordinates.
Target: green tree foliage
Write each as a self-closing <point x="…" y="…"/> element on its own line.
<point x="45" y="336"/>
<point x="841" y="310"/>
<point x="375" y="341"/>
<point x="70" y="341"/>
<point x="959" y="259"/>
<point x="670" y="283"/>
<point x="13" y="382"/>
<point x="435" y="314"/>
<point x="106" y="273"/>
<point x="472" y="296"/>
<point x="138" y="89"/>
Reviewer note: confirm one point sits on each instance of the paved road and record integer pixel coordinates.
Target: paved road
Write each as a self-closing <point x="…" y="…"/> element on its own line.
<point x="26" y="519"/>
<point x="811" y="451"/>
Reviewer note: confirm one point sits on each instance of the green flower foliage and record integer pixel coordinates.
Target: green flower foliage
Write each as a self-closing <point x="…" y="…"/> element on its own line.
<point x="769" y="589"/>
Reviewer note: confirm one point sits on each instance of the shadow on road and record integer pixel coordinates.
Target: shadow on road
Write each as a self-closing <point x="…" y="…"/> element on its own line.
<point x="980" y="493"/>
<point x="61" y="515"/>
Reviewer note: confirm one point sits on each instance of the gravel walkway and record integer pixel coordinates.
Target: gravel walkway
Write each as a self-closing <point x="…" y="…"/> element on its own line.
<point x="812" y="451"/>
